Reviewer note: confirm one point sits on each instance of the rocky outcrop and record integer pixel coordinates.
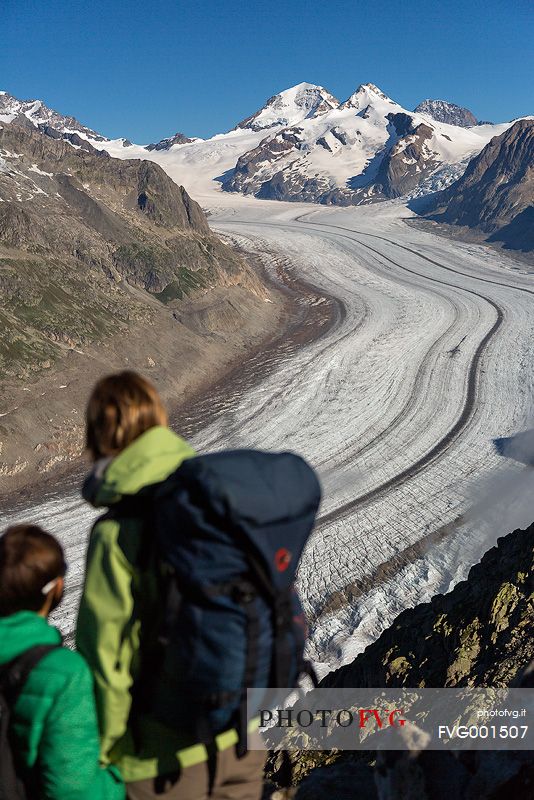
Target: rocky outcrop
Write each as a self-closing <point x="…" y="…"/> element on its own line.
<point x="495" y="195"/>
<point x="165" y="203"/>
<point x="442" y="111"/>
<point x="418" y="773"/>
<point x="256" y="171"/>
<point x="248" y="173"/>
<point x="170" y="141"/>
<point x="480" y="634"/>
<point x="408" y="161"/>
<point x="73" y="138"/>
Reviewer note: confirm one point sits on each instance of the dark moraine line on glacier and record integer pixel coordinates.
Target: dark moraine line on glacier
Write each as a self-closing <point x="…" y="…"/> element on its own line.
<point x="349" y="454"/>
<point x="357" y="451"/>
<point x="469" y="403"/>
<point x="387" y="569"/>
<point x="444" y="443"/>
<point x="463" y="419"/>
<point x="410" y="250"/>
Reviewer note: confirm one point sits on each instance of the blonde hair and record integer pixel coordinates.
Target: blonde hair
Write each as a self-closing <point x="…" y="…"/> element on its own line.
<point x="121" y="407"/>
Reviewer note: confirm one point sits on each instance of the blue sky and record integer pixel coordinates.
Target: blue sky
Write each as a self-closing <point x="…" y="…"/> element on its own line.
<point x="147" y="69"/>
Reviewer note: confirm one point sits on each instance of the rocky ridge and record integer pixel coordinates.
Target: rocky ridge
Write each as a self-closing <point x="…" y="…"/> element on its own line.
<point x="98" y="257"/>
<point x="166" y="144"/>
<point x="442" y="111"/>
<point x="495" y="195"/>
<point x="479" y="634"/>
<point x="41" y="116"/>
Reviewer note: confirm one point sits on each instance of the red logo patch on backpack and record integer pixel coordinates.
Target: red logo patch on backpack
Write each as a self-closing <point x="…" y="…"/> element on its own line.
<point x="282" y="559"/>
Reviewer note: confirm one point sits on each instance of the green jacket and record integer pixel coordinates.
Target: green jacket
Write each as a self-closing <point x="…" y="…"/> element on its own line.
<point x="54" y="719"/>
<point x="119" y="612"/>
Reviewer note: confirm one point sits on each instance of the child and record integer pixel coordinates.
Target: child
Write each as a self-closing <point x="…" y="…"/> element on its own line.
<point x="53" y="728"/>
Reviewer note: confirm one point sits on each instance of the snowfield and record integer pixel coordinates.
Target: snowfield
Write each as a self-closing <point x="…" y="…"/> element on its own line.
<point x="395" y="405"/>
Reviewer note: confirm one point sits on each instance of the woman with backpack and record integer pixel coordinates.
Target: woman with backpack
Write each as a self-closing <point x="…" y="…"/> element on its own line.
<point x="49" y="745"/>
<point x="122" y="604"/>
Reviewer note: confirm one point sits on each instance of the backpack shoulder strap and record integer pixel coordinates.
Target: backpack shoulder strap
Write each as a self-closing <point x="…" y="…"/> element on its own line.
<point x="15" y="673"/>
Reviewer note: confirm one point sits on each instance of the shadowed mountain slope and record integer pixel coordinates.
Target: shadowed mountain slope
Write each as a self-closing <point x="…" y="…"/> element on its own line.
<point x="495" y="195"/>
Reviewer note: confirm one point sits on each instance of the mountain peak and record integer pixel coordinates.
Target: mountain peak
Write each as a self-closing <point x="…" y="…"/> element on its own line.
<point x="372" y="87"/>
<point x="450" y="113"/>
<point x="291" y="106"/>
<point x="301" y="87"/>
<point x="365" y="94"/>
<point x="43" y="117"/>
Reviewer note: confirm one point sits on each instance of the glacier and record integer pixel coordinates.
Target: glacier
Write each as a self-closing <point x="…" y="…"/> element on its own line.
<point x="395" y="405"/>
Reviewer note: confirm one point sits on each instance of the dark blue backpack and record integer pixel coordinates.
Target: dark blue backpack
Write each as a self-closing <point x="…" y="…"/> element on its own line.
<point x="230" y="530"/>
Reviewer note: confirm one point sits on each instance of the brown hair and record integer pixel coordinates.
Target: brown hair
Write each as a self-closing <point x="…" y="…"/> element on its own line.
<point x="121" y="408"/>
<point x="29" y="559"/>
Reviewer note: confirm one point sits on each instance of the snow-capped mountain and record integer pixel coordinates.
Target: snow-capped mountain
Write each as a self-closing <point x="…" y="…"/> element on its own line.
<point x="54" y="124"/>
<point x="442" y="111"/>
<point x="303" y="145"/>
<point x="287" y="108"/>
<point x="368" y="148"/>
<point x="42" y="117"/>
